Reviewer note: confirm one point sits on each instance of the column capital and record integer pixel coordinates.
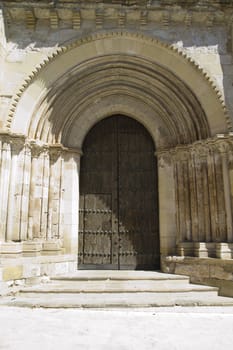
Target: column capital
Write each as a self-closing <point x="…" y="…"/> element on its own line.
<point x="164" y="157"/>
<point x="200" y="149"/>
<point x="181" y="153"/>
<point x="223" y="146"/>
<point x="15" y="140"/>
<point x="36" y="148"/>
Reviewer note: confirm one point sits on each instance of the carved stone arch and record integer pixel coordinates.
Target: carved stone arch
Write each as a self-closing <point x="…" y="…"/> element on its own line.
<point x="150" y="72"/>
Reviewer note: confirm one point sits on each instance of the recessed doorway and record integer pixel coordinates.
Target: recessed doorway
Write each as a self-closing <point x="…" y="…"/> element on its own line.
<point x="118" y="211"/>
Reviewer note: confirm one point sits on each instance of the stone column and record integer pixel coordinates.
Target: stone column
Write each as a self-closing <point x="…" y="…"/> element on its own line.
<point x="5" y="168"/>
<point x="70" y="200"/>
<point x="14" y="209"/>
<point x="54" y="200"/>
<point x="206" y="196"/>
<point x="223" y="147"/>
<point x="181" y="157"/>
<point x="167" y="203"/>
<point x="38" y="198"/>
<point x="221" y="234"/>
<point x="193" y="194"/>
<point x="25" y="190"/>
<point x="213" y="203"/>
<point x="202" y="199"/>
<point x="199" y="199"/>
<point x="45" y="193"/>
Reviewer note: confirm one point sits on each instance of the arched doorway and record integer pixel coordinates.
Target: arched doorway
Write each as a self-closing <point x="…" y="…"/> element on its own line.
<point x="118" y="223"/>
<point x="117" y="73"/>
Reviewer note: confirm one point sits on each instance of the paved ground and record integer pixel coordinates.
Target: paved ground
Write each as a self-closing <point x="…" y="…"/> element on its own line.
<point x="161" y="329"/>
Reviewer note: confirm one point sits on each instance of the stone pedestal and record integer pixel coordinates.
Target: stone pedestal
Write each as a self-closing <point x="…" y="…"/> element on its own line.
<point x="52" y="248"/>
<point x="185" y="249"/>
<point x="10" y="248"/>
<point x="197" y="249"/>
<point x="224" y="250"/>
<point x="32" y="248"/>
<point x="200" y="250"/>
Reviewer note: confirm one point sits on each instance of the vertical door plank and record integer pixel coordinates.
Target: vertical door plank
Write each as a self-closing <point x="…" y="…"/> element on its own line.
<point x="138" y="212"/>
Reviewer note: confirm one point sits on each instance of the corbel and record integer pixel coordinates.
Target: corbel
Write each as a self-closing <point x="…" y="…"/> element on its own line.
<point x="210" y="21"/>
<point x="165" y="19"/>
<point x="53" y="19"/>
<point x="188" y="19"/>
<point x="122" y="19"/>
<point x="30" y="19"/>
<point x="99" y="18"/>
<point x="76" y="20"/>
<point x="143" y="18"/>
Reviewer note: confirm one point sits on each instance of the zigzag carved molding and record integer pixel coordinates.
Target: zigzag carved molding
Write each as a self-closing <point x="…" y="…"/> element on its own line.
<point x="113" y="34"/>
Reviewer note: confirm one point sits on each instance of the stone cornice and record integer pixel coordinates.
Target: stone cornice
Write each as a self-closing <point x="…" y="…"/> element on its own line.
<point x="144" y="12"/>
<point x="127" y="3"/>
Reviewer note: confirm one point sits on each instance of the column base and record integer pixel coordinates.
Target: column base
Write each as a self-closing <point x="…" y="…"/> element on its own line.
<point x="205" y="250"/>
<point x="224" y="250"/>
<point x="185" y="249"/>
<point x="11" y="249"/>
<point x="31" y="248"/>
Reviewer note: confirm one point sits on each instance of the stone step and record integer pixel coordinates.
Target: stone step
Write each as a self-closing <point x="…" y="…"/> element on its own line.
<point x="118" y="286"/>
<point x="97" y="275"/>
<point x="116" y="300"/>
<point x="109" y="289"/>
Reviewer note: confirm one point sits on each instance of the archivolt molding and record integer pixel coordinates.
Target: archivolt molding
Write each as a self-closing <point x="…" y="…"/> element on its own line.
<point x="118" y="79"/>
<point x="215" y="104"/>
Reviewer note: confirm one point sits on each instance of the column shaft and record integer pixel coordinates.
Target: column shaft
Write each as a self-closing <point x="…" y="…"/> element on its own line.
<point x="5" y="168"/>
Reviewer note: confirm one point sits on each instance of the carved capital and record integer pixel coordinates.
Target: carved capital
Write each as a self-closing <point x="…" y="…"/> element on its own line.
<point x="164" y="158"/>
<point x="200" y="150"/>
<point x="5" y="142"/>
<point x="17" y="145"/>
<point x="55" y="151"/>
<point x="16" y="141"/>
<point x="37" y="148"/>
<point x="27" y="148"/>
<point x="222" y="146"/>
<point x="181" y="153"/>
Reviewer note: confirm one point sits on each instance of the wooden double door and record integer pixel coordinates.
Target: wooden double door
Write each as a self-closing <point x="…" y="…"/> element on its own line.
<point x="118" y="212"/>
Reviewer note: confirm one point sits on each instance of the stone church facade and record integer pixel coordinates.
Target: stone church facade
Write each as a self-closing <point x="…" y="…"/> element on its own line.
<point x="160" y="70"/>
